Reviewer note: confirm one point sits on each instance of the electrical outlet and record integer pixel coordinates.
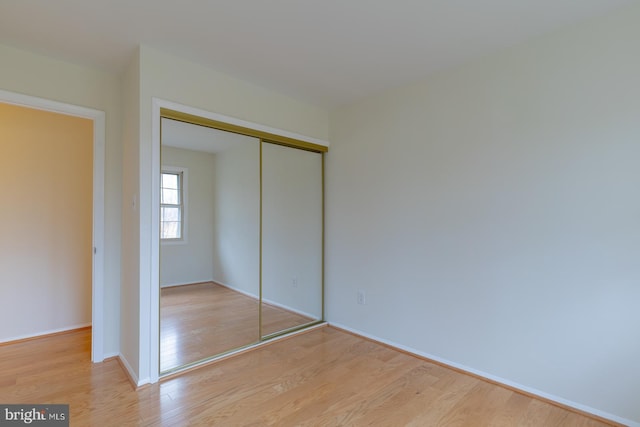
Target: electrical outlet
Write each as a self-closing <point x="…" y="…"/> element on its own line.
<point x="362" y="300"/>
<point x="294" y="282"/>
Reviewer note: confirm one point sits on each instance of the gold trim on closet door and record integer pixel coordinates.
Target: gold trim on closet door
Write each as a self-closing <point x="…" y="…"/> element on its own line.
<point x="266" y="136"/>
<point x="260" y="335"/>
<point x="322" y="313"/>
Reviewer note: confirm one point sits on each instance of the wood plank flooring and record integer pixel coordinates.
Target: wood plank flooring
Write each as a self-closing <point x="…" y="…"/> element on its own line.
<point x="324" y="377"/>
<point x="201" y="320"/>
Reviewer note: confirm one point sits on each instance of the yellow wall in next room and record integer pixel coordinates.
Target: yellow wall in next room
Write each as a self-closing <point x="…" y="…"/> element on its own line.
<point x="45" y="221"/>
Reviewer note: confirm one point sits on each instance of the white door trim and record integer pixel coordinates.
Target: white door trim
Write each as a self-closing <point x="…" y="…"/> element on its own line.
<point x="97" y="279"/>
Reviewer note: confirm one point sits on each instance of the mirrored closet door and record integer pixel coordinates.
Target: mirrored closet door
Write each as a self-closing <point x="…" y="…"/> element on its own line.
<point x="241" y="246"/>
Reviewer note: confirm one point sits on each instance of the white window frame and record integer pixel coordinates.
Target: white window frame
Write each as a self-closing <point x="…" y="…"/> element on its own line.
<point x="184" y="172"/>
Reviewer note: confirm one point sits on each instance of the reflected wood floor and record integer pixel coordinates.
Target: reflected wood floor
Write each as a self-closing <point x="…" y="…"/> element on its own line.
<point x="205" y="319"/>
<point x="323" y="377"/>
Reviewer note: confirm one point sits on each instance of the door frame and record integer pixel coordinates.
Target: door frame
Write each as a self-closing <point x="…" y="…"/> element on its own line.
<point x="97" y="270"/>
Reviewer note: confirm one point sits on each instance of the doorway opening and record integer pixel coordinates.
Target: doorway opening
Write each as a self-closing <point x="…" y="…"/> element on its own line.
<point x="56" y="180"/>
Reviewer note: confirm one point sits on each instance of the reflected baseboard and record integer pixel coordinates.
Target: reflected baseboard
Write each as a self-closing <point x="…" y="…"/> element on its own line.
<point x="199" y="282"/>
<point x="286" y="307"/>
<point x="267" y="301"/>
<point x="235" y="289"/>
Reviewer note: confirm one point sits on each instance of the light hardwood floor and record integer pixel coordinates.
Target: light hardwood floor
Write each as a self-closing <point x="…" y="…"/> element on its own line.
<point x="204" y="319"/>
<point x="323" y="377"/>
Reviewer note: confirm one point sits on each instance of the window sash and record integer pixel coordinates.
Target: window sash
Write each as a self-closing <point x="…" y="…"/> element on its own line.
<point x="171" y="206"/>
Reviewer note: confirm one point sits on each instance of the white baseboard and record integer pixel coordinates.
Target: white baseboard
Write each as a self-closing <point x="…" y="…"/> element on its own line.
<point x="493" y="378"/>
<point x="130" y="372"/>
<point x="43" y="333"/>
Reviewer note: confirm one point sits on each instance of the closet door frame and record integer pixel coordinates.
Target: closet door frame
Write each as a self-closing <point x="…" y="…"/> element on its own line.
<point x="172" y="110"/>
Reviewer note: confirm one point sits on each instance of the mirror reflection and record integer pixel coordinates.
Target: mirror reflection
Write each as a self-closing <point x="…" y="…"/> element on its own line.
<point x="291" y="238"/>
<point x="240" y="241"/>
<point x="210" y="242"/>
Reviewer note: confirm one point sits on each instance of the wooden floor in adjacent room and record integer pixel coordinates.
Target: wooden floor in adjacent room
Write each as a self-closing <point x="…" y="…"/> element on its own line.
<point x="323" y="377"/>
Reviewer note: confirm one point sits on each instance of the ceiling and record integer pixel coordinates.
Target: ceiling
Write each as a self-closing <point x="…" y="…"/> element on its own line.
<point x="325" y="52"/>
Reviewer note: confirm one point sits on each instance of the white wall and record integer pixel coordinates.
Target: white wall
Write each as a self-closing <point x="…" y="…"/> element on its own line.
<point x="189" y="261"/>
<point x="292" y="229"/>
<point x="188" y="83"/>
<point x="491" y="214"/>
<point x="44" y="77"/>
<point x="130" y="290"/>
<point x="236" y="217"/>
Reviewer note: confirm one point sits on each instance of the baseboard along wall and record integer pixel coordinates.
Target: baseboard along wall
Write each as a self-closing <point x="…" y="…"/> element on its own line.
<point x="518" y="388"/>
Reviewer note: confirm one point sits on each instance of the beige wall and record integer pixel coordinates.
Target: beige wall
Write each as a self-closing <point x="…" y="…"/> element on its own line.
<point x="45" y="221"/>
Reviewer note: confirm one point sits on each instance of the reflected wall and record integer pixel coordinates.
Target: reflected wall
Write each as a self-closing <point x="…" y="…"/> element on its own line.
<point x="291" y="237"/>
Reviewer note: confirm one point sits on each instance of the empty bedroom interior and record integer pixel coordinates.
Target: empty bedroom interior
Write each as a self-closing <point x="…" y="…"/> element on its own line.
<point x="486" y="216"/>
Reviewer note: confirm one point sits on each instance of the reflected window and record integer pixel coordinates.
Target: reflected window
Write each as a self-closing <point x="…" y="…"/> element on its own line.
<point x="172" y="205"/>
